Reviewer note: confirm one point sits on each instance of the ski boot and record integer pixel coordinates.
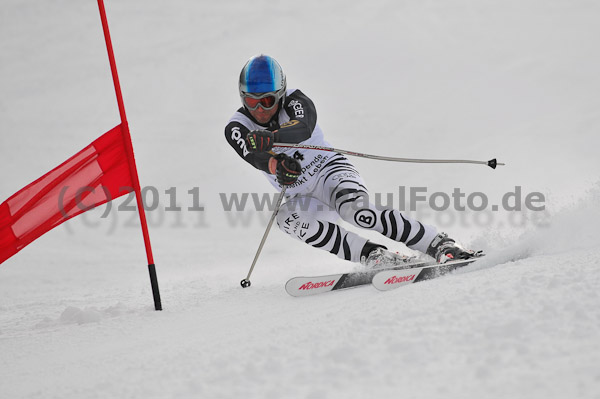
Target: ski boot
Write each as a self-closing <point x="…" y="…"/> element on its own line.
<point x="375" y="256"/>
<point x="444" y="249"/>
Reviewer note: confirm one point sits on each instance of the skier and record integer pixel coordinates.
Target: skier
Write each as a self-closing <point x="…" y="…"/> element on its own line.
<point x="320" y="187"/>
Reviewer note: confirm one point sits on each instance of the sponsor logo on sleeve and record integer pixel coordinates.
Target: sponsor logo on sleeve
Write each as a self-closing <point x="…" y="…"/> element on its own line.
<point x="289" y="123"/>
<point x="297" y="107"/>
<point x="236" y="135"/>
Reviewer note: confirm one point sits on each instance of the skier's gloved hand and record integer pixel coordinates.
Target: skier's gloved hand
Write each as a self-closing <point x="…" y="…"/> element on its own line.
<point x="288" y="169"/>
<point x="260" y="140"/>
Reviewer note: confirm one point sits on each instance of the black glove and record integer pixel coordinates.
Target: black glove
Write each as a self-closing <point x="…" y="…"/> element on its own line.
<point x="259" y="140"/>
<point x="288" y="169"/>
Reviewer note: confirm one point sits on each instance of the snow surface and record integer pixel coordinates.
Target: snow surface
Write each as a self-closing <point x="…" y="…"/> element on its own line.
<point x="516" y="80"/>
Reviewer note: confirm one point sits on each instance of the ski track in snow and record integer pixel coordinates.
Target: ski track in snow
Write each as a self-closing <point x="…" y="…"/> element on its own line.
<point x="517" y="80"/>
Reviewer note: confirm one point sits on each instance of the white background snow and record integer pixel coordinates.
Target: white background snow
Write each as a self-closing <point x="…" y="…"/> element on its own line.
<point x="516" y="80"/>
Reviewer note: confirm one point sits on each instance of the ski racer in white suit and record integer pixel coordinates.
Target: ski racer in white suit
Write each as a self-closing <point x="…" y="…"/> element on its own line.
<point x="321" y="186"/>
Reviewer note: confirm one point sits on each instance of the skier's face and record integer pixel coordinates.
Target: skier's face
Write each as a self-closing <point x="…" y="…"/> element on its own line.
<point x="262" y="115"/>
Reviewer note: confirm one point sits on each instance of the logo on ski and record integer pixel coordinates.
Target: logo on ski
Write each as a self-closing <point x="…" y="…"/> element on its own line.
<point x="401" y="279"/>
<point x="310" y="285"/>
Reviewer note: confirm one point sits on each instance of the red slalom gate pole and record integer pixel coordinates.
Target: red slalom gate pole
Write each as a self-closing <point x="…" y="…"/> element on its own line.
<point x="131" y="159"/>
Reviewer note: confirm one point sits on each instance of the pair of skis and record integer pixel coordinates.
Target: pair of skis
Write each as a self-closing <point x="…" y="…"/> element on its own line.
<point x="383" y="279"/>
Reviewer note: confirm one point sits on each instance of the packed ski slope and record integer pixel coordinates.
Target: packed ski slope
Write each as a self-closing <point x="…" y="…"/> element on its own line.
<point x="516" y="80"/>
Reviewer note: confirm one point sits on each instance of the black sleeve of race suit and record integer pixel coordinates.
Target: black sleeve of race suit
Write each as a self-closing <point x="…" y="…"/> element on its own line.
<point x="235" y="134"/>
<point x="303" y="119"/>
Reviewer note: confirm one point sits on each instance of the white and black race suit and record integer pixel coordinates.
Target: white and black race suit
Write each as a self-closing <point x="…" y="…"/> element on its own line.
<point x="328" y="188"/>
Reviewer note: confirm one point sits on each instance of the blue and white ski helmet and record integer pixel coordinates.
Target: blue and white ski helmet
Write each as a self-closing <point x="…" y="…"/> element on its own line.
<point x="262" y="74"/>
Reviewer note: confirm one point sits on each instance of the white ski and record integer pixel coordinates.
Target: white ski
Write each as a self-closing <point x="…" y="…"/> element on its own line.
<point x="390" y="279"/>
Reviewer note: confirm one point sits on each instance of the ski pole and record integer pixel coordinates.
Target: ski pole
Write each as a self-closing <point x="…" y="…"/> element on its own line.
<point x="492" y="163"/>
<point x="246" y="282"/>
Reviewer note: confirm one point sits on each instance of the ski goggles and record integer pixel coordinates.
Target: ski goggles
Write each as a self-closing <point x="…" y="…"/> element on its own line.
<point x="266" y="100"/>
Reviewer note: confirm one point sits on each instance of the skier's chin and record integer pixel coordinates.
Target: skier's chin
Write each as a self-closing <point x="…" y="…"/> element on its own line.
<point x="263" y="117"/>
